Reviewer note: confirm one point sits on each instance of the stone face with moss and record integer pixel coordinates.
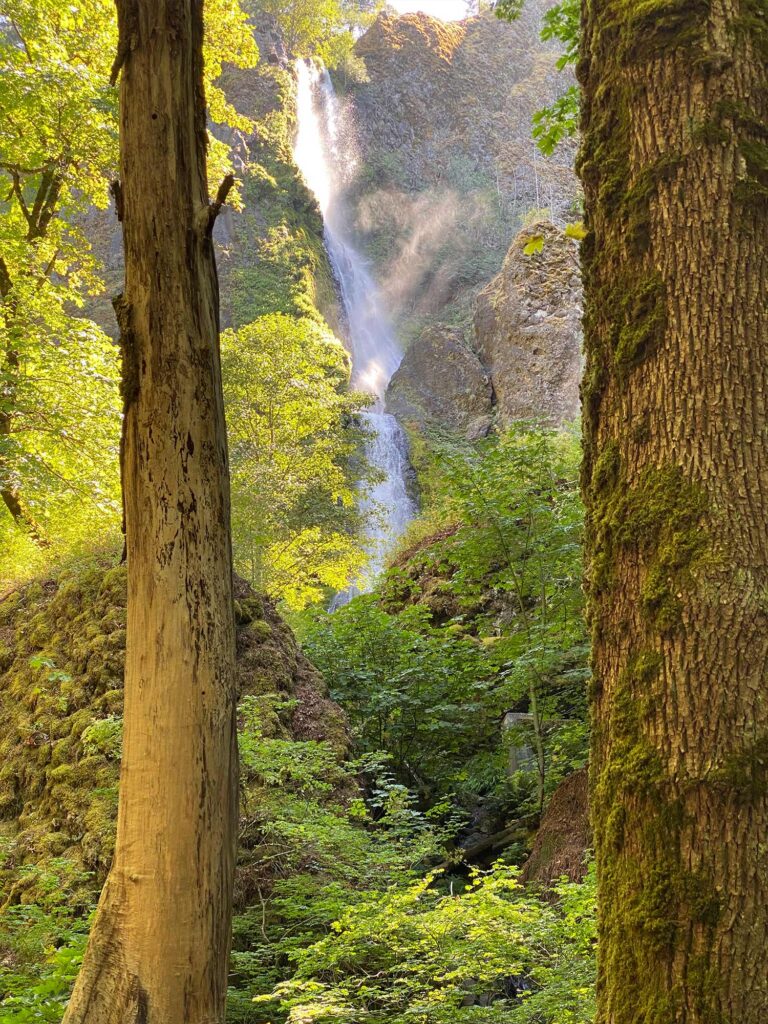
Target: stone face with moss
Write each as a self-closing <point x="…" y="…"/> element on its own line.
<point x="521" y="360"/>
<point x="62" y="650"/>
<point x="270" y="253"/>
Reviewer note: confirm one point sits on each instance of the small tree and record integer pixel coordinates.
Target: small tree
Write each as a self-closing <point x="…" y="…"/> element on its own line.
<point x="295" y="457"/>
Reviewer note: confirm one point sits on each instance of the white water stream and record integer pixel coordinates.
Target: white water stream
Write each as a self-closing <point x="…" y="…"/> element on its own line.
<point x="320" y="155"/>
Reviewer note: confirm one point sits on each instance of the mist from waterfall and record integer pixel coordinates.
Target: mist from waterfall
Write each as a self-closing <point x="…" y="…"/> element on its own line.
<point x="323" y="158"/>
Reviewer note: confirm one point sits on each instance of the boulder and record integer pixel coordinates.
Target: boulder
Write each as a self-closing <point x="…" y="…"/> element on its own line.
<point x="528" y="328"/>
<point x="441" y="382"/>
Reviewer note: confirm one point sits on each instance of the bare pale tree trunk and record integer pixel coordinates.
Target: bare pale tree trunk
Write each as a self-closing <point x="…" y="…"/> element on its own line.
<point x="675" y="170"/>
<point x="159" y="947"/>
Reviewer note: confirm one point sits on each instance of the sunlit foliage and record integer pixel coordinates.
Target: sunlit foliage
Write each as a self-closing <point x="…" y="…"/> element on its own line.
<point x="293" y="442"/>
<point x="318" y="28"/>
<point x="59" y="401"/>
<point x="481" y="618"/>
<point x="494" y="953"/>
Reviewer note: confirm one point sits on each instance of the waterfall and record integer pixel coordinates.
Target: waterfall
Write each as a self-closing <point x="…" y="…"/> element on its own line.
<point x="323" y="160"/>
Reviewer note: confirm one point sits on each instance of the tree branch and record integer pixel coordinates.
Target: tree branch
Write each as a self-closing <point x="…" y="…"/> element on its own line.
<point x="128" y="35"/>
<point x="6" y="284"/>
<point x="214" y="208"/>
<point x="20" y="196"/>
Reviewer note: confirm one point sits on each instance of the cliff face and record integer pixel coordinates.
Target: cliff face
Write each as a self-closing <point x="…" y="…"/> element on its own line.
<point x="444" y="178"/>
<point x="521" y="357"/>
<point x="447" y="170"/>
<point x="527" y="328"/>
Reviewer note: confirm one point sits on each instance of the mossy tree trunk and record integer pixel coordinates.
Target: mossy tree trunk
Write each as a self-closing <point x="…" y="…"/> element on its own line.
<point x="675" y="169"/>
<point x="160" y="942"/>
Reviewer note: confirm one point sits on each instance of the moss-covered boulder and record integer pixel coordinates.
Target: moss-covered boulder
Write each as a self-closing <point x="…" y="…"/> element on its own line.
<point x="62" y="649"/>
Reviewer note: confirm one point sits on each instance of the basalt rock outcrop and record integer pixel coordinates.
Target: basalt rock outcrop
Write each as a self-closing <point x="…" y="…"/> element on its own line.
<point x="527" y="328"/>
<point x="564" y="835"/>
<point x="441" y="382"/>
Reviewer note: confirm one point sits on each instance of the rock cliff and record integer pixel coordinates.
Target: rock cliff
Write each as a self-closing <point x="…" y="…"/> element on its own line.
<point x="521" y="358"/>
<point x="445" y="175"/>
<point x="270" y="253"/>
<point x="527" y="328"/>
<point x="446" y="167"/>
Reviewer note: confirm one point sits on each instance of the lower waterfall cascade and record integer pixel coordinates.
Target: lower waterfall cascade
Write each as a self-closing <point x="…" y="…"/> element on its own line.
<point x="319" y="153"/>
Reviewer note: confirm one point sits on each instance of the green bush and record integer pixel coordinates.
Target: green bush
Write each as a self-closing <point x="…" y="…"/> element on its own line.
<point x="495" y="953"/>
<point x="482" y="617"/>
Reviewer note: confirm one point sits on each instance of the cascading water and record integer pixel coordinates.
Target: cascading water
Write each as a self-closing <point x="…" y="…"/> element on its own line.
<point x="320" y="155"/>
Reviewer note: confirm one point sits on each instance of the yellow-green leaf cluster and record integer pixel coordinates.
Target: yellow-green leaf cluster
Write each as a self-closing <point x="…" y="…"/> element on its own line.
<point x="293" y="439"/>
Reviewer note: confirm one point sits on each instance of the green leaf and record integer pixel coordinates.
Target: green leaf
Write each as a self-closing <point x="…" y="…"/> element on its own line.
<point x="534" y="245"/>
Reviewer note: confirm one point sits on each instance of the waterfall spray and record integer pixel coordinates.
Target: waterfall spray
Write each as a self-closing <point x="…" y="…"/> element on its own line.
<point x="321" y="156"/>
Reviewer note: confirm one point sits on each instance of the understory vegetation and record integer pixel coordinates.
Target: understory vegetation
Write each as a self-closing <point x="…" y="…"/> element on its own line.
<point x="358" y="896"/>
<point x="389" y="800"/>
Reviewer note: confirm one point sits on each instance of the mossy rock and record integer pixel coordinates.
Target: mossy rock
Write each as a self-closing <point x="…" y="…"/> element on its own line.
<point x="62" y="645"/>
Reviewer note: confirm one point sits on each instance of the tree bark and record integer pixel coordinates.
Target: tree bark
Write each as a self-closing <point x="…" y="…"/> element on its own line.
<point x="159" y="947"/>
<point x="9" y="491"/>
<point x="675" y="170"/>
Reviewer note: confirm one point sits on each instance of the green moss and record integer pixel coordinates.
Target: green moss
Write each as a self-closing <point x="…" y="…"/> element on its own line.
<point x="661" y="518"/>
<point x="61" y="702"/>
<point x="645" y="316"/>
<point x="260" y="630"/>
<point x="654" y="27"/>
<point x="702" y="980"/>
<point x="752" y="25"/>
<point x="648" y="893"/>
<point x="710" y="133"/>
<point x="607" y="468"/>
<point x="634" y="766"/>
<point x="746" y="771"/>
<point x="281" y="265"/>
